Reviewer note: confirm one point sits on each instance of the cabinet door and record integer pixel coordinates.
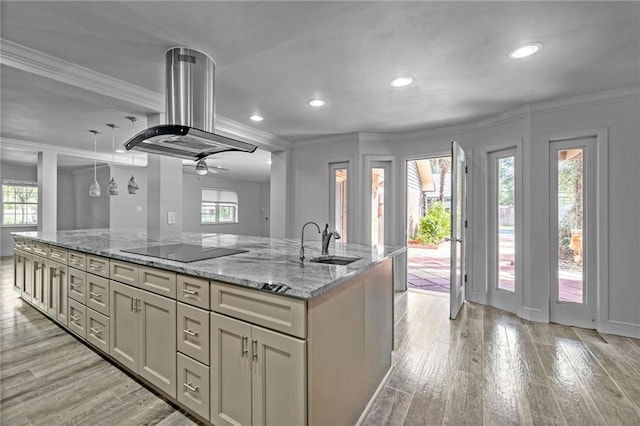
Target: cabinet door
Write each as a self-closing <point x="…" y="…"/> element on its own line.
<point x="193" y="332"/>
<point x="278" y="379"/>
<point x="18" y="271"/>
<point x="27" y="284"/>
<point x="230" y="371"/>
<point x="98" y="294"/>
<point x="157" y="341"/>
<point x="52" y="289"/>
<point x="78" y="285"/>
<point x="60" y="293"/>
<point x="98" y="330"/>
<point x="39" y="282"/>
<point x="123" y="331"/>
<point x="78" y="318"/>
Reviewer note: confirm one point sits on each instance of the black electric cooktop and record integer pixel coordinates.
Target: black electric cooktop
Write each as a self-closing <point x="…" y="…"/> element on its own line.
<point x="184" y="252"/>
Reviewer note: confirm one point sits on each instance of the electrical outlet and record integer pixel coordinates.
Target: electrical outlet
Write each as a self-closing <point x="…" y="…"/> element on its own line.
<point x="139" y="208"/>
<point x="171" y="218"/>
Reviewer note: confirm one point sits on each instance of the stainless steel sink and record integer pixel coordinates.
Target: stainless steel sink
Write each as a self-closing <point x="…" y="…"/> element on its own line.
<point x="334" y="260"/>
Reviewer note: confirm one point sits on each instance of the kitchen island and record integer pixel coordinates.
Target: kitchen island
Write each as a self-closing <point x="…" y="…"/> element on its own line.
<point x="256" y="337"/>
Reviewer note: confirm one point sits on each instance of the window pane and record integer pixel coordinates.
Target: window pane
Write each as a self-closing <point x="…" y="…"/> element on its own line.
<point x="20" y="204"/>
<point x="570" y="226"/>
<point x="340" y="213"/>
<point x="506" y="223"/>
<point x="219" y="206"/>
<point x="377" y="206"/>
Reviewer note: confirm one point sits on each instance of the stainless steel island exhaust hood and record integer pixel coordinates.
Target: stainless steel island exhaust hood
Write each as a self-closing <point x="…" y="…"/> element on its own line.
<point x="190" y="112"/>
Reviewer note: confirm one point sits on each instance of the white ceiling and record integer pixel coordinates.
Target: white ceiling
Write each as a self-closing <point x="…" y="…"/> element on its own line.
<point x="273" y="56"/>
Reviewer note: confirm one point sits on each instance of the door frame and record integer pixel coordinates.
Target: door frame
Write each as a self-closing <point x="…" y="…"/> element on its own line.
<point x="403" y="209"/>
<point x="601" y="263"/>
<point x="332" y="165"/>
<point x="498" y="298"/>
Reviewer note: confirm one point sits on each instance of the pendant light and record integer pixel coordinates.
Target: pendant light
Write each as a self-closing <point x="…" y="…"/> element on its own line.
<point x="94" y="188"/>
<point x="132" y="186"/>
<point x="113" y="186"/>
<point x="201" y="167"/>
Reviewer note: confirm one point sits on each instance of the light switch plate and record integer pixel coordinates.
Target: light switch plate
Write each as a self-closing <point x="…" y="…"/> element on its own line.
<point x="139" y="208"/>
<point x="171" y="218"/>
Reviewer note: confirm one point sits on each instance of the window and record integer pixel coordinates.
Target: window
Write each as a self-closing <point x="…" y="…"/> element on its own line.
<point x="19" y="203"/>
<point x="219" y="206"/>
<point x="338" y="197"/>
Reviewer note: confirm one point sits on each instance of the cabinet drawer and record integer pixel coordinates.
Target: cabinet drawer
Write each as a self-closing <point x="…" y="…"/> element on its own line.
<point x="98" y="294"/>
<point x="275" y="312"/>
<point x="41" y="249"/>
<point x="98" y="330"/>
<point x="77" y="320"/>
<point x="77" y="260"/>
<point x="58" y="254"/>
<point x="98" y="265"/>
<point x="193" y="385"/>
<point x="24" y="245"/>
<point x="78" y="285"/>
<point x="194" y="291"/>
<point x="193" y="332"/>
<point x="124" y="272"/>
<point x="157" y="281"/>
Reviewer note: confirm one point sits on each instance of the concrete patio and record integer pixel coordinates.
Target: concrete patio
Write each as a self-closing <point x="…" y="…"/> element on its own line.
<point x="429" y="269"/>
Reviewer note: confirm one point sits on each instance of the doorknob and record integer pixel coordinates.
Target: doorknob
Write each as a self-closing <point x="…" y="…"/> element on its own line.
<point x="458" y="240"/>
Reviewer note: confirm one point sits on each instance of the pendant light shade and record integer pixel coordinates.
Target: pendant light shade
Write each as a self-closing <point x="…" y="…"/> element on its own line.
<point x="94" y="188"/>
<point x="201" y="167"/>
<point x="113" y="186"/>
<point x="132" y="185"/>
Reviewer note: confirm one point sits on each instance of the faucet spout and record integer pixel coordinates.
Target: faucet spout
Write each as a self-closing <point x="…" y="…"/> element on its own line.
<point x="302" y="239"/>
<point x="326" y="238"/>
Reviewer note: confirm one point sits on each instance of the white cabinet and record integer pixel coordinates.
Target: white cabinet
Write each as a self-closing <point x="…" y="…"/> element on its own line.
<point x="39" y="282"/>
<point x="257" y="376"/>
<point x="56" y="291"/>
<point x="143" y="334"/>
<point x="19" y="269"/>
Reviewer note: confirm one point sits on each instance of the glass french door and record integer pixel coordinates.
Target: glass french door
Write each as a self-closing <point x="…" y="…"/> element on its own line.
<point x="339" y="198"/>
<point x="458" y="228"/>
<point x="572" y="232"/>
<point x="379" y="218"/>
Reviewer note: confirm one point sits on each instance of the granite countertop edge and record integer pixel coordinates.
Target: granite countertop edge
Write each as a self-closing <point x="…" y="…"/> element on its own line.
<point x="193" y="269"/>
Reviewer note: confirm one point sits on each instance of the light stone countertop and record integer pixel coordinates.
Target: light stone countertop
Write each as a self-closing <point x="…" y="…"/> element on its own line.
<point x="269" y="261"/>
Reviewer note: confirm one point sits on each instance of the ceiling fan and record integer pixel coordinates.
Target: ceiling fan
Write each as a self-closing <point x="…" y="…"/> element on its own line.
<point x="202" y="168"/>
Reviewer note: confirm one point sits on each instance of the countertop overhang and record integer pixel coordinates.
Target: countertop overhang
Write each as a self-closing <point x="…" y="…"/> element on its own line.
<point x="270" y="263"/>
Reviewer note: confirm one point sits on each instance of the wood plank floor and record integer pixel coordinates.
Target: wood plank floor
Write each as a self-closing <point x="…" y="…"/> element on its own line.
<point x="488" y="367"/>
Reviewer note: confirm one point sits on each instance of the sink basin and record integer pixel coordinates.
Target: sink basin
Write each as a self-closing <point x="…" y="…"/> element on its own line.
<point x="334" y="260"/>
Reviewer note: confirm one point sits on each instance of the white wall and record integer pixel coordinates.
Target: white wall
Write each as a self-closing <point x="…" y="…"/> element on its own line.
<point x="90" y="212"/>
<point x="526" y="127"/>
<point x="250" y="205"/>
<point x="128" y="211"/>
<point x="18" y="172"/>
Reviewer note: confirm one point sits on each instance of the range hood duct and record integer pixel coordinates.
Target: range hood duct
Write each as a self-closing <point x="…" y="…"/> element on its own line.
<point x="190" y="112"/>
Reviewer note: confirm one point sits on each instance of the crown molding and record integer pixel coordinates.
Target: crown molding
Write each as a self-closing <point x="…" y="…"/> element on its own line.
<point x="39" y="63"/>
<point x="580" y="101"/>
<point x="265" y="140"/>
<point x="140" y="159"/>
<point x="328" y="140"/>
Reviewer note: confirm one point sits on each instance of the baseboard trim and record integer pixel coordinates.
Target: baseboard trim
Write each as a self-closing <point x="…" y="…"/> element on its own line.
<point x="621" y="328"/>
<point x="384" y="381"/>
<point x="476" y="297"/>
<point x="532" y="314"/>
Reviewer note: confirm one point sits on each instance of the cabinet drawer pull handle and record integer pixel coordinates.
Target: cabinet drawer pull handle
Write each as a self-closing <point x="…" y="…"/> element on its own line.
<point x="132" y="304"/>
<point x="73" y="285"/>
<point x="190" y="292"/>
<point x="74" y="318"/>
<point x="244" y="349"/>
<point x="96" y="331"/>
<point x="254" y="349"/>
<point x="95" y="268"/>
<point x="138" y="304"/>
<point x="190" y="333"/>
<point x="190" y="387"/>
<point x="54" y="273"/>
<point x="96" y="295"/>
<point x="75" y="262"/>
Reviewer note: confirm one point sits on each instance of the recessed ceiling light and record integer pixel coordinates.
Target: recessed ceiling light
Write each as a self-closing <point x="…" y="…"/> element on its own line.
<point x="402" y="81"/>
<point x="525" y="50"/>
<point x="317" y="102"/>
<point x="256" y="117"/>
<point x="120" y="151"/>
